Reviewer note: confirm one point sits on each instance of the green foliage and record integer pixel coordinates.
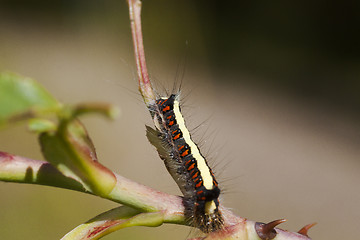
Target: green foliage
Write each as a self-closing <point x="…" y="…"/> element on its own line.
<point x="71" y="158"/>
<point x="22" y="98"/>
<point x="71" y="151"/>
<point x="63" y="139"/>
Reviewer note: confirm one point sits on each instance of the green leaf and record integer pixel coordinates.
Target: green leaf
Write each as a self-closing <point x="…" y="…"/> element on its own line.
<point x="113" y="220"/>
<point x="41" y="125"/>
<point x="104" y="109"/>
<point x="71" y="151"/>
<point x="22" y="98"/>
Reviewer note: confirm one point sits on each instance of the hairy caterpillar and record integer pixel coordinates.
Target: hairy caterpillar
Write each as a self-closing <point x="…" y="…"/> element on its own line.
<point x="186" y="164"/>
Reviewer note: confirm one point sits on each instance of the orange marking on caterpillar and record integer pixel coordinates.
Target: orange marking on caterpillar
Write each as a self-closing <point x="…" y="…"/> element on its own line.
<point x="171" y="123"/>
<point x="191" y="166"/>
<point x="199" y="192"/>
<point x="177" y="136"/>
<point x="165" y="100"/>
<point x="167" y="108"/>
<point x="181" y="147"/>
<point x="189" y="161"/>
<point x="186" y="152"/>
<point x="199" y="184"/>
<point x="195" y="175"/>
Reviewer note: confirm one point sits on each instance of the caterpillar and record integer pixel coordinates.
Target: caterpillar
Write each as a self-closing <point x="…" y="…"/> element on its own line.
<point x="186" y="164"/>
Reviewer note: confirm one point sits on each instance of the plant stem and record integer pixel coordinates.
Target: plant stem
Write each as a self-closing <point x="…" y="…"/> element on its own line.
<point x="23" y="170"/>
<point x="145" y="87"/>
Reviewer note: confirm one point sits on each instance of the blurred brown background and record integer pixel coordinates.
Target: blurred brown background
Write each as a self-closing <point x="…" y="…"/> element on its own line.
<point x="278" y="81"/>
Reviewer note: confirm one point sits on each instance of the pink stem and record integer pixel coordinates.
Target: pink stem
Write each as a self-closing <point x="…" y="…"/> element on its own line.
<point x="145" y="87"/>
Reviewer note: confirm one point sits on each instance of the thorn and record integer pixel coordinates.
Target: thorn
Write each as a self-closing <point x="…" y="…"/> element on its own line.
<point x="266" y="231"/>
<point x="305" y="229"/>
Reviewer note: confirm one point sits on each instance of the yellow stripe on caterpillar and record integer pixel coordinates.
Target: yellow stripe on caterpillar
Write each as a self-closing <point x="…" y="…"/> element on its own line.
<point x="201" y="163"/>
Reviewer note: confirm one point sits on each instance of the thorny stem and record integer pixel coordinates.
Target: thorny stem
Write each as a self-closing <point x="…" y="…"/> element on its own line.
<point x="23" y="170"/>
<point x="145" y="87"/>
